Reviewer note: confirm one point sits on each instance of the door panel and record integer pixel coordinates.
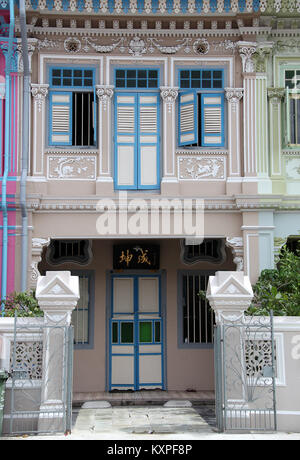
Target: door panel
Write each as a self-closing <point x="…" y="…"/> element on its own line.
<point x="122" y="371"/>
<point x="148" y="295"/>
<point x="150" y="370"/>
<point x="123" y="295"/>
<point x="136" y="346"/>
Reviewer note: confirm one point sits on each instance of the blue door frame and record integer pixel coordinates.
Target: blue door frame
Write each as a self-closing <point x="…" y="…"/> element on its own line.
<point x="135" y="321"/>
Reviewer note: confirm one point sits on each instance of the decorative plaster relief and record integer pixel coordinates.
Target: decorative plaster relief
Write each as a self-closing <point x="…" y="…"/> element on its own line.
<point x="39" y="93"/>
<point x="154" y="43"/>
<point x="199" y="168"/>
<point x="292" y="166"/>
<point x="247" y="50"/>
<point x="169" y="95"/>
<point x="71" y="167"/>
<point x="104" y="93"/>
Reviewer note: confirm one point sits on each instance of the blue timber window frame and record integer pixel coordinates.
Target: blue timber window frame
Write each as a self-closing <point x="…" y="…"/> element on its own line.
<point x="83" y="315"/>
<point x="201" y="112"/>
<point x="195" y="318"/>
<point x="137" y="129"/>
<point x="72" y="107"/>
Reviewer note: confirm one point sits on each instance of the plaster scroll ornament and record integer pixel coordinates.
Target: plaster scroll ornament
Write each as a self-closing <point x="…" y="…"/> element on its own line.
<point x="276" y="95"/>
<point x="234" y="95"/>
<point x="168" y="49"/>
<point x="169" y="96"/>
<point x="39" y="93"/>
<point x="137" y="47"/>
<point x="104" y="93"/>
<point x="246" y="50"/>
<point x="201" y="46"/>
<point x="39" y="243"/>
<point x="46" y="43"/>
<point x="263" y="52"/>
<point x="72" y="45"/>
<point x="236" y="244"/>
<point x="101" y="48"/>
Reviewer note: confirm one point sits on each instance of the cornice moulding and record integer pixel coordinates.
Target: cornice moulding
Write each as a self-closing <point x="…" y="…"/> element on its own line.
<point x="133" y="32"/>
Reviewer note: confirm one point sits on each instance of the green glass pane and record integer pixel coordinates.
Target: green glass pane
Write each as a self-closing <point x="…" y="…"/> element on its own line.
<point x="145" y="332"/>
<point x="157" y="332"/>
<point x="115" y="333"/>
<point x="126" y="332"/>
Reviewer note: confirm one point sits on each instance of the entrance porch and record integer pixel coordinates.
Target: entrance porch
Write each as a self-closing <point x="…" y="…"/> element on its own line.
<point x="166" y="344"/>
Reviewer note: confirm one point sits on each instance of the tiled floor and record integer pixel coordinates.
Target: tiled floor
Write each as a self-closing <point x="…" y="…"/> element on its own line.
<point x="139" y="420"/>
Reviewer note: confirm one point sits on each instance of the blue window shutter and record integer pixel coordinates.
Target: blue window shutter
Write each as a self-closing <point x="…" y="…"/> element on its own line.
<point x="212" y="120"/>
<point x="126" y="141"/>
<point x="60" y="118"/>
<point x="148" y="141"/>
<point x="188" y="126"/>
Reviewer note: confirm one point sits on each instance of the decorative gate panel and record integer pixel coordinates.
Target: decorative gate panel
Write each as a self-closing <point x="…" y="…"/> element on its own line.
<point x="29" y="378"/>
<point x="245" y="370"/>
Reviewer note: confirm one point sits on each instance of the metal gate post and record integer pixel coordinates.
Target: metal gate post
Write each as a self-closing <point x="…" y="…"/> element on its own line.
<point x="218" y="377"/>
<point x="57" y="294"/>
<point x="3" y="378"/>
<point x="70" y="343"/>
<point x="229" y="295"/>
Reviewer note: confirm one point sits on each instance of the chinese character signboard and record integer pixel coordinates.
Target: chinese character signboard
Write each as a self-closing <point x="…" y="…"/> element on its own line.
<point x="136" y="256"/>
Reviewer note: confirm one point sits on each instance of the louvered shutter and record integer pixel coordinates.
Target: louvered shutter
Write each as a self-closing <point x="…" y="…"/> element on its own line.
<point x="60" y="120"/>
<point x="188" y="126"/>
<point x="212" y="120"/>
<point x="148" y="141"/>
<point x="125" y="141"/>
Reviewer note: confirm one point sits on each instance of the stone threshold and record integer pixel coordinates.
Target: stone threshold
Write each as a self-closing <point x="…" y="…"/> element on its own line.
<point x="144" y="397"/>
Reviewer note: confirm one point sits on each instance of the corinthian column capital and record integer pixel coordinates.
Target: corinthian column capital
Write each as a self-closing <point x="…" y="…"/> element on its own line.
<point x="39" y="93"/>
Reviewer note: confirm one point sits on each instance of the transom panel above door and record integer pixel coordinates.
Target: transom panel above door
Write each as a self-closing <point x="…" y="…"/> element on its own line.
<point x="136" y="333"/>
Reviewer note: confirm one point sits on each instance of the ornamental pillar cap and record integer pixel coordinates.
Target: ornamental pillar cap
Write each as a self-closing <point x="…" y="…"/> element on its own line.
<point x="57" y="290"/>
<point x="229" y="294"/>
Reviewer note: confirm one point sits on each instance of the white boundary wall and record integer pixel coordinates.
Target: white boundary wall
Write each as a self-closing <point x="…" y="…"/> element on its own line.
<point x="287" y="339"/>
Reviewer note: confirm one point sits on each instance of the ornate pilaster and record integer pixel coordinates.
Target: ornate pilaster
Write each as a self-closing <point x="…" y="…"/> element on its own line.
<point x="234" y="96"/>
<point x="31" y="47"/>
<point x="39" y="94"/>
<point x="261" y="56"/>
<point x="169" y="96"/>
<point x="247" y="50"/>
<point x="104" y="94"/>
<point x="104" y="175"/>
<point x="236" y="244"/>
<point x="38" y="245"/>
<point x="275" y="96"/>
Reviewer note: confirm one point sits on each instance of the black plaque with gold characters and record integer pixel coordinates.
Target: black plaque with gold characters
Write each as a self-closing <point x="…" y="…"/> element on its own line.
<point x="136" y="257"/>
